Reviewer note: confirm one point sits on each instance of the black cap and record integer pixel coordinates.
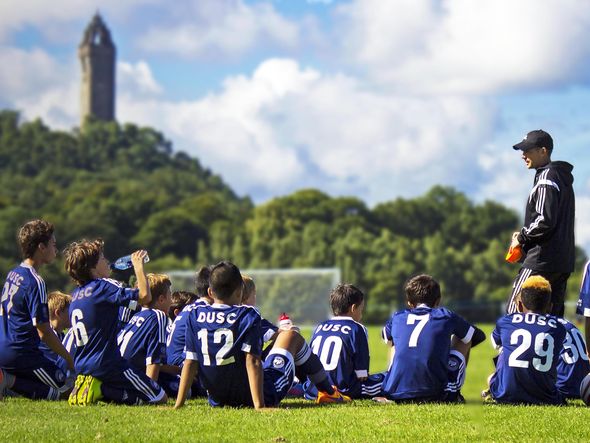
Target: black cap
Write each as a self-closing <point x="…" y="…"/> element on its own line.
<point x="535" y="139"/>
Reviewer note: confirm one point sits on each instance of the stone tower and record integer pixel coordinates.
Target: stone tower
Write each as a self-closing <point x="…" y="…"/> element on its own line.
<point x="97" y="55"/>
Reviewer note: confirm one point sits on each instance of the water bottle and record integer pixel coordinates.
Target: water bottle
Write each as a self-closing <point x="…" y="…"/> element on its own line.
<point x="124" y="263"/>
<point x="285" y="322"/>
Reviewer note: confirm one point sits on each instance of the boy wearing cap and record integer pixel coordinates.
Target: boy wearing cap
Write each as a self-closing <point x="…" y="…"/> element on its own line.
<point x="547" y="237"/>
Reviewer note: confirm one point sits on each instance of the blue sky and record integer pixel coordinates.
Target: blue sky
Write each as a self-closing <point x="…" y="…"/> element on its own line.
<point x="372" y="98"/>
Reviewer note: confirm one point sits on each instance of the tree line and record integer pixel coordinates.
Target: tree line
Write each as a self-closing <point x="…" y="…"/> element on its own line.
<point x="124" y="183"/>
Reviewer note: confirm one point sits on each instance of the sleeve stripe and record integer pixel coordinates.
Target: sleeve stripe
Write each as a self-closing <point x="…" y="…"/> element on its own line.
<point x="161" y="326"/>
<point x="494" y="344"/>
<point x="191" y="356"/>
<point x="586" y="312"/>
<point x="40" y="286"/>
<point x="362" y="373"/>
<point x="469" y="335"/>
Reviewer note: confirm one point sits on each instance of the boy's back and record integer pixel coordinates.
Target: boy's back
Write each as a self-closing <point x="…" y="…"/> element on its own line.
<point x="526" y="370"/>
<point x="422" y="340"/>
<point x="573" y="363"/>
<point x="217" y="337"/>
<point x="342" y="346"/>
<point x="94" y="314"/>
<point x="142" y="341"/>
<point x="23" y="306"/>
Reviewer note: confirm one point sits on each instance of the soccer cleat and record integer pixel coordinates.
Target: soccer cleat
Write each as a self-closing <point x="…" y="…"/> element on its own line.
<point x="5" y="380"/>
<point x="336" y="397"/>
<point x="73" y="398"/>
<point x="91" y="391"/>
<point x="486" y="396"/>
<point x="86" y="391"/>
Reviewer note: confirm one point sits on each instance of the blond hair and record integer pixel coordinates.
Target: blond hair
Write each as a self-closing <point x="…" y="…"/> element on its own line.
<point x="159" y="285"/>
<point x="58" y="301"/>
<point x="249" y="287"/>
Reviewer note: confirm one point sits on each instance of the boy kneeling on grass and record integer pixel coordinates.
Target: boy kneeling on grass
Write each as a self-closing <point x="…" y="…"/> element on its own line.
<point x="224" y="344"/>
<point x="102" y="372"/>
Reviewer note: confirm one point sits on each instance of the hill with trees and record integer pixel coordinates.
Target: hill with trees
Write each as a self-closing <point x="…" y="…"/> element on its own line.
<point x="125" y="183"/>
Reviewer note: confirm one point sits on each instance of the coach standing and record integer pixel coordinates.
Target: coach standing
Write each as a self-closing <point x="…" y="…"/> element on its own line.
<point x="547" y="237"/>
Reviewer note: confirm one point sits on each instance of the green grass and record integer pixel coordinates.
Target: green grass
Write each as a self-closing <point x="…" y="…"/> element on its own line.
<point x="295" y="420"/>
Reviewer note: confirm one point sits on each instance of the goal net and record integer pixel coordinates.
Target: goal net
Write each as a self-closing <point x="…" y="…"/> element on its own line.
<point x="302" y="293"/>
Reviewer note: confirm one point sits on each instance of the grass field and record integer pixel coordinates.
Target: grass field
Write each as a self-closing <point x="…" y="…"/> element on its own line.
<point x="298" y="420"/>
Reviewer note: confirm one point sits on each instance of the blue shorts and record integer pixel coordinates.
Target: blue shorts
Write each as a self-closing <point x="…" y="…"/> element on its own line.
<point x="279" y="371"/>
<point x="132" y="384"/>
<point x="38" y="377"/>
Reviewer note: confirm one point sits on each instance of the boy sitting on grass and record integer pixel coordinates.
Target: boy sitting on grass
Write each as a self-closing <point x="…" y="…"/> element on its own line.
<point x="530" y="342"/>
<point x="25" y="322"/>
<point x="431" y="347"/>
<point x="224" y="344"/>
<point x="343" y="346"/>
<point x="59" y="319"/>
<point x="102" y="372"/>
<point x="142" y="341"/>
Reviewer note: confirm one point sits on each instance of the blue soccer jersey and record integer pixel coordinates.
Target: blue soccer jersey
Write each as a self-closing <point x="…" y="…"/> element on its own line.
<point x="583" y="307"/>
<point x="573" y="363"/>
<point x="526" y="371"/>
<point x="343" y="348"/>
<point x="218" y="336"/>
<point x="142" y="341"/>
<point x="23" y="306"/>
<point x="175" y="353"/>
<point x="94" y="314"/>
<point x="268" y="329"/>
<point x="422" y="340"/>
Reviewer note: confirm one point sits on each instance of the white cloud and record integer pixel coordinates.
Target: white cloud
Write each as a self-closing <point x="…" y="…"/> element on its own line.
<point x="286" y="127"/>
<point x="464" y="46"/>
<point x="137" y="79"/>
<point x="222" y="28"/>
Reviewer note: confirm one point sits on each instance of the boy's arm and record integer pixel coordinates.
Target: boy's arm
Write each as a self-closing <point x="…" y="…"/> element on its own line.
<point x="255" y="379"/>
<point x="50" y="339"/>
<point x="189" y="372"/>
<point x="145" y="296"/>
<point x="153" y="371"/>
<point x="587" y="334"/>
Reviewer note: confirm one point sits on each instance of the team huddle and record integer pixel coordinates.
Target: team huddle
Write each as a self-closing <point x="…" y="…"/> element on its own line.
<point x="146" y="344"/>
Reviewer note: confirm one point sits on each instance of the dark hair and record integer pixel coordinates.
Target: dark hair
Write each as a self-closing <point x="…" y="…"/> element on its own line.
<point x="202" y="281"/>
<point x="32" y="234"/>
<point x="81" y="257"/>
<point x="178" y="300"/>
<point x="535" y="294"/>
<point x="225" y="279"/>
<point x="422" y="289"/>
<point x="343" y="297"/>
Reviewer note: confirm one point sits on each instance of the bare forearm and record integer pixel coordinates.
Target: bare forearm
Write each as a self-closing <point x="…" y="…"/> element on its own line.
<point x="189" y="371"/>
<point x="255" y="379"/>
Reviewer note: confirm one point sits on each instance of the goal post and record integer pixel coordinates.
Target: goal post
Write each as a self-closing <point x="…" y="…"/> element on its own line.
<point x="303" y="293"/>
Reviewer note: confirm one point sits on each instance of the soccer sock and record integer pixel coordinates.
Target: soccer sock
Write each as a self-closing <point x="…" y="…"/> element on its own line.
<point x="310" y="364"/>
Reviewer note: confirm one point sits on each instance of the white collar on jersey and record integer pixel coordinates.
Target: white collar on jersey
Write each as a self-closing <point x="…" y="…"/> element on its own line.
<point x="220" y="306"/>
<point x="342" y="317"/>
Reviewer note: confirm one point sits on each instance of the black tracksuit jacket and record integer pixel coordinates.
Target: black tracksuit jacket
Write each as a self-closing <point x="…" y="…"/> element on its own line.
<point x="547" y="237"/>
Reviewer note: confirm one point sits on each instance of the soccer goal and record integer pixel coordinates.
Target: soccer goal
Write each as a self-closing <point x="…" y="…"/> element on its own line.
<point x="302" y="293"/>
